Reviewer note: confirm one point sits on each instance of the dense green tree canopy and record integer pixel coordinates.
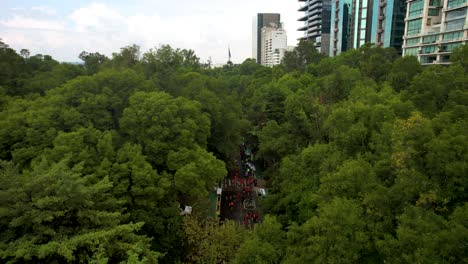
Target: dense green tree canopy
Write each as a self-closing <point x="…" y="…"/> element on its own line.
<point x="364" y="157"/>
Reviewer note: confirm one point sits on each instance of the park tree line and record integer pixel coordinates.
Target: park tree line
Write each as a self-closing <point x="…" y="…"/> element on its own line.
<point x="364" y="154"/>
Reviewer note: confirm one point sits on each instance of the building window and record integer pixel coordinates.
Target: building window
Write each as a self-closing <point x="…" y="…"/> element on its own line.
<point x="434" y="3"/>
<point x="455" y="24"/>
<point x="434" y="11"/>
<point x="364" y="13"/>
<point x="412" y="42"/>
<point x="428" y="59"/>
<point x="455" y="3"/>
<point x="453" y="36"/>
<point x="430" y="39"/>
<point x="411" y="51"/>
<point x="445" y="59"/>
<point x="429" y="49"/>
<point x="450" y="47"/>
<point x="414" y="27"/>
<point x="363" y="34"/>
<point x="416" y="8"/>
<point x="456" y="14"/>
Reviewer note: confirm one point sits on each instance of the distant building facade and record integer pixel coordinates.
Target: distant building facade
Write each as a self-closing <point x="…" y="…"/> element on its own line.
<point x="389" y="23"/>
<point x="260" y="21"/>
<point x="434" y="28"/>
<point x="341" y="28"/>
<point x="273" y="44"/>
<point x="316" y="20"/>
<point x="356" y="22"/>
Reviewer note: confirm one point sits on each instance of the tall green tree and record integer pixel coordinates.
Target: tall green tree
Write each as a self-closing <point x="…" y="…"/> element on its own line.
<point x="55" y="214"/>
<point x="304" y="54"/>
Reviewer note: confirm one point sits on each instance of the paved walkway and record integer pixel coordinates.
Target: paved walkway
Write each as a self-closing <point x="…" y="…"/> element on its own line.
<point x="239" y="199"/>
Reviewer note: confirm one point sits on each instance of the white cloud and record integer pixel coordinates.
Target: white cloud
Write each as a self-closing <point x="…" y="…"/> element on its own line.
<point x="21" y="22"/>
<point x="206" y="26"/>
<point x="45" y="10"/>
<point x="96" y="17"/>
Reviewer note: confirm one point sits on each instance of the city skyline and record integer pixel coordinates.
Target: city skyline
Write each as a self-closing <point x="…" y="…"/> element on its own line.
<point x="208" y="27"/>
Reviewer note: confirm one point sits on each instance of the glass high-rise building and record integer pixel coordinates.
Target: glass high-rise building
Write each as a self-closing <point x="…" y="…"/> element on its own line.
<point x="316" y="20"/>
<point x="362" y="24"/>
<point x="388" y="23"/>
<point x="356" y="22"/>
<point x="434" y="28"/>
<point x="352" y="23"/>
<point x="341" y="26"/>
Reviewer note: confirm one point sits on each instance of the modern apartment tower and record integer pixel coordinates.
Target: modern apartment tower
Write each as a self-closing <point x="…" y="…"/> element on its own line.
<point x="434" y="28"/>
<point x="389" y="23"/>
<point x="362" y="24"/>
<point x="355" y="22"/>
<point x="341" y="26"/>
<point x="316" y="20"/>
<point x="351" y="25"/>
<point x="260" y="21"/>
<point x="273" y="45"/>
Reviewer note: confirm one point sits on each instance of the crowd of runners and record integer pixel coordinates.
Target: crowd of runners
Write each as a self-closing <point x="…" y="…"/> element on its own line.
<point x="239" y="195"/>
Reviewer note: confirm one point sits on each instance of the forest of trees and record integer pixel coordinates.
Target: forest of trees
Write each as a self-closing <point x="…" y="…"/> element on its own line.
<point x="365" y="155"/>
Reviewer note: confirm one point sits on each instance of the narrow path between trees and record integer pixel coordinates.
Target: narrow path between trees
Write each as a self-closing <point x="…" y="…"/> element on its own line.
<point x="239" y="196"/>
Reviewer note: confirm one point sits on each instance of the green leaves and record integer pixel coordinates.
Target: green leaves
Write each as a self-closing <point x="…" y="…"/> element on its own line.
<point x="161" y="123"/>
<point x="337" y="235"/>
<point x="265" y="244"/>
<point x="57" y="214"/>
<point x="364" y="156"/>
<point x="196" y="171"/>
<point x="423" y="236"/>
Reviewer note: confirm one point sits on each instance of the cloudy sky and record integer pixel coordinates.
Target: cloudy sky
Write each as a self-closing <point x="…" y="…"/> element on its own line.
<point x="64" y="28"/>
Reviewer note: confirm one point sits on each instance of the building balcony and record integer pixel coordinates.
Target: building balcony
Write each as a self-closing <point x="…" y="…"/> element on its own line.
<point x="315" y="23"/>
<point x="316" y="17"/>
<point x="315" y="6"/>
<point x="304" y="28"/>
<point x="314" y="29"/>
<point x="303" y="8"/>
<point x="381" y="17"/>
<point x="436" y="42"/>
<point x="304" y="18"/>
<point x="427" y="53"/>
<point x="315" y="12"/>
<point x="442" y="52"/>
<point x="434" y="30"/>
<point x="313" y="35"/>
